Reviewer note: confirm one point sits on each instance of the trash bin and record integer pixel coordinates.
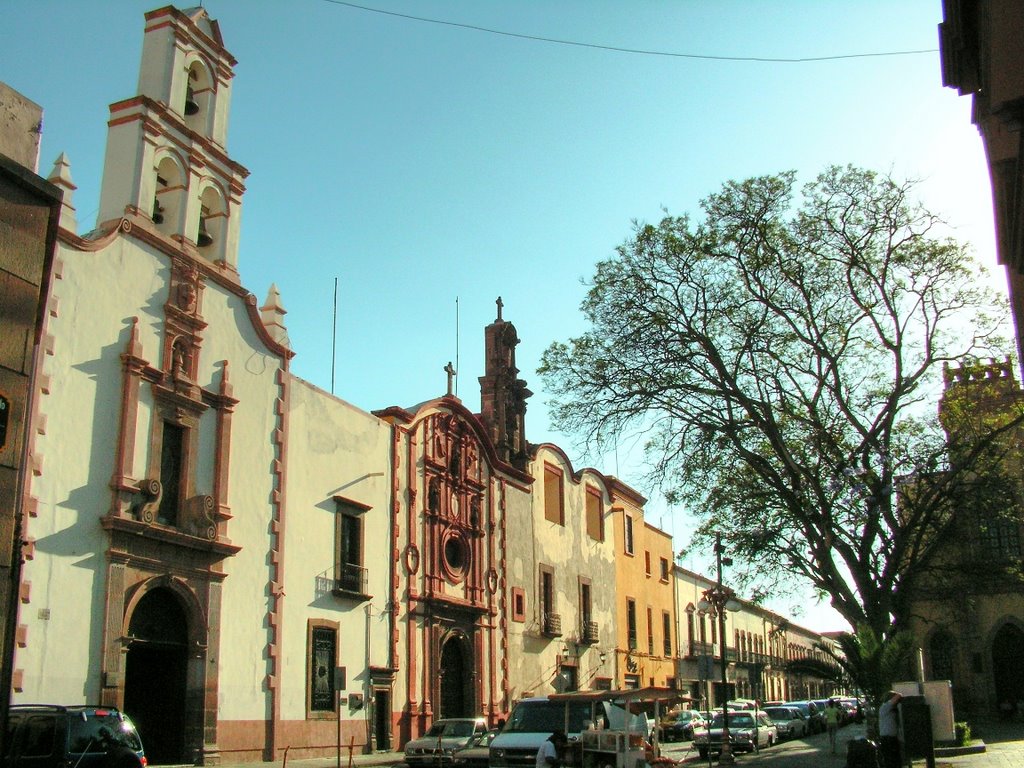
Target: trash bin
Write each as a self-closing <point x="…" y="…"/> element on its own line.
<point x="916" y="719"/>
<point x="861" y="753"/>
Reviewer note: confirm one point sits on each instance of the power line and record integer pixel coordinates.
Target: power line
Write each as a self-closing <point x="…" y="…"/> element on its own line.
<point x="637" y="51"/>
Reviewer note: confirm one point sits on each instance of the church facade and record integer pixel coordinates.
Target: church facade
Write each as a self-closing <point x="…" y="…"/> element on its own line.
<point x="249" y="565"/>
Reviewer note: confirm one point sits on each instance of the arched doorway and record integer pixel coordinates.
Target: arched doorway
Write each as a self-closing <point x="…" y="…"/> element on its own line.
<point x="1007" y="671"/>
<point x="456" y="698"/>
<point x="155" y="676"/>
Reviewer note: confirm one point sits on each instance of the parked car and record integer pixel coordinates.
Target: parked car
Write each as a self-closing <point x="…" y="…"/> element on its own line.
<point x="814" y="716"/>
<point x="50" y="736"/>
<point x="680" y="726"/>
<point x="441" y="740"/>
<point x="477" y="753"/>
<point x="789" y="721"/>
<point x="748" y="731"/>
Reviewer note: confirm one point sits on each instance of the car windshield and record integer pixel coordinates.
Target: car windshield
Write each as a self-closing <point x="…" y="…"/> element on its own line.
<point x="779" y="713"/>
<point x="545" y="716"/>
<point x="451" y="729"/>
<point x="736" y="720"/>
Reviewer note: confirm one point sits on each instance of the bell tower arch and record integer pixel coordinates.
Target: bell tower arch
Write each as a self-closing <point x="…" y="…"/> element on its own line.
<point x="166" y="165"/>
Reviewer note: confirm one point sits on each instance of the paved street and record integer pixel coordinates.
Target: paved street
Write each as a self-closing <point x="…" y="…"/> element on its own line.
<point x="1004" y="749"/>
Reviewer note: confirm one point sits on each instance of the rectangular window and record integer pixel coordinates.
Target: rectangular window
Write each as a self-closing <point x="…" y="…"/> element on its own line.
<point x="518" y="604"/>
<point x="588" y="627"/>
<point x="551" y="621"/>
<point x="323" y="656"/>
<point x="554" y="511"/>
<point x="595" y="518"/>
<point x="349" y="572"/>
<point x="664" y="569"/>
<point x="172" y="452"/>
<point x="650" y="632"/>
<point x="628" y="534"/>
<point x="586" y="609"/>
<point x="666" y="632"/>
<point x="647" y="563"/>
<point x="631" y="622"/>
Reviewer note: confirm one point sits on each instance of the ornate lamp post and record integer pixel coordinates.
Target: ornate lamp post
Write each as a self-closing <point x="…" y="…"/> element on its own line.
<point x="722" y="599"/>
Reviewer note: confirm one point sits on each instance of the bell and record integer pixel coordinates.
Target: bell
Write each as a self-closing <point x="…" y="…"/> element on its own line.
<point x="158" y="212"/>
<point x="191" y="107"/>
<point x="203" y="238"/>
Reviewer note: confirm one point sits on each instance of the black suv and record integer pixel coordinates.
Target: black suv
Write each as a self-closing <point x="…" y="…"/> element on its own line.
<point x="49" y="736"/>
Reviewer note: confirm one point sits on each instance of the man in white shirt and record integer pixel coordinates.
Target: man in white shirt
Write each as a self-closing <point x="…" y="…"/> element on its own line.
<point x="889" y="730"/>
<point x="550" y="753"/>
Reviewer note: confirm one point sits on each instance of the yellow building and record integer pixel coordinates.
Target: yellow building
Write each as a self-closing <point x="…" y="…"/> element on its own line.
<point x="645" y="647"/>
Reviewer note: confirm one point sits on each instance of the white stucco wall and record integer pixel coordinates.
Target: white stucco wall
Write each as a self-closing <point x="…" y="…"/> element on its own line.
<point x="334" y="449"/>
<point x="532" y="540"/>
<point x="67" y="572"/>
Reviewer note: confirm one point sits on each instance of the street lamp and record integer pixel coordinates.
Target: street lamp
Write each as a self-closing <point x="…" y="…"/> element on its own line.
<point x="721" y="599"/>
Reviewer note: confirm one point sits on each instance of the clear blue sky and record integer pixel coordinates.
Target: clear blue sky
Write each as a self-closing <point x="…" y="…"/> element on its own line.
<point x="422" y="162"/>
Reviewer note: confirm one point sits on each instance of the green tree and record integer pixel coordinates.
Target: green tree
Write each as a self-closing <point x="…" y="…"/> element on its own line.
<point x="782" y="356"/>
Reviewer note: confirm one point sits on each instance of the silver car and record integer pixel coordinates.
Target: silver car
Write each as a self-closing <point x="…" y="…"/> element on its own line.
<point x="748" y="731"/>
<point x="789" y="721"/>
<point x="442" y="739"/>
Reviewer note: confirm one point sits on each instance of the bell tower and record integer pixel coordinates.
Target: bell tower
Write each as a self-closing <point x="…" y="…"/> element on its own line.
<point x="503" y="394"/>
<point x="166" y="163"/>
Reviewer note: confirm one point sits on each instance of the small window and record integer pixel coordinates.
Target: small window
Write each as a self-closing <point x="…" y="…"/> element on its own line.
<point x="664" y="569"/>
<point x="518" y="604"/>
<point x="647" y="563"/>
<point x="628" y="534"/>
<point x="554" y="511"/>
<point x="666" y="632"/>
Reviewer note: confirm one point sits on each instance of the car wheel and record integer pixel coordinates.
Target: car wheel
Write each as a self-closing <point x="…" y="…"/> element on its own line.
<point x="703" y="751"/>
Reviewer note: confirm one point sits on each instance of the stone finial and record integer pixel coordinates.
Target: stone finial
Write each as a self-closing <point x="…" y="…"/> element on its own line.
<point x="272" y="314"/>
<point x="60" y="176"/>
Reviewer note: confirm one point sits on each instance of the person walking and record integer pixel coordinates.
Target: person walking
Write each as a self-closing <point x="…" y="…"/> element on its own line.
<point x="832" y="722"/>
<point x="889" y="731"/>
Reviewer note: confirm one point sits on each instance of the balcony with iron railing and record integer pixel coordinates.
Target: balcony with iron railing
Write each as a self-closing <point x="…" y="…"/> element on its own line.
<point x="696" y="649"/>
<point x="350" y="580"/>
<point x="551" y="624"/>
<point x="588" y="632"/>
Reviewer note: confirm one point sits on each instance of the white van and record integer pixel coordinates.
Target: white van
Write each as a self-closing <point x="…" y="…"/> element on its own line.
<point x="533" y="720"/>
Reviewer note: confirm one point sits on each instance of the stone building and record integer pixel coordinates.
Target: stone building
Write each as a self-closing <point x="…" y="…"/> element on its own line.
<point x="968" y="616"/>
<point x="30" y="208"/>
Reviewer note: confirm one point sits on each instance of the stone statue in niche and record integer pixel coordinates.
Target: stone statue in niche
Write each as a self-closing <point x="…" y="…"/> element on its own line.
<point x="180" y="358"/>
<point x="455" y="462"/>
<point x="434" y="495"/>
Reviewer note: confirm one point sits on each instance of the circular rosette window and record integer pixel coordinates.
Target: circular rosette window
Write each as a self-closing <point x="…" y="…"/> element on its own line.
<point x="455" y="555"/>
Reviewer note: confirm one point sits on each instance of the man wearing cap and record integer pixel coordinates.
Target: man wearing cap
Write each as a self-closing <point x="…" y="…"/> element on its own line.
<point x="550" y="753"/>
